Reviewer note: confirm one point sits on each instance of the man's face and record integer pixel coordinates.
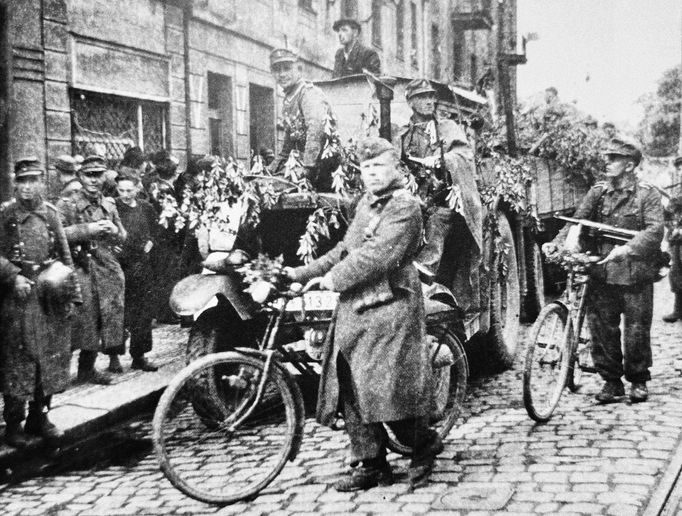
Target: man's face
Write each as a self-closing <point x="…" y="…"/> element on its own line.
<point x="28" y="188"/>
<point x="617" y="165"/>
<point x="423" y="104"/>
<point x="127" y="190"/>
<point x="347" y="35"/>
<point x="380" y="172"/>
<point x="71" y="189"/>
<point x="286" y="74"/>
<point x="92" y="181"/>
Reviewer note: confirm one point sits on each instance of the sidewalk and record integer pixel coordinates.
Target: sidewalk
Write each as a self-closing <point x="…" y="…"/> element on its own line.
<point x="86" y="409"/>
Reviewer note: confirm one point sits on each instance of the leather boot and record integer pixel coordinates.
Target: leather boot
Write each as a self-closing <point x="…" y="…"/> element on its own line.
<point x="15" y="435"/>
<point x="143" y="364"/>
<point x="114" y="365"/>
<point x="87" y="372"/>
<point x="676" y="314"/>
<point x="365" y="477"/>
<point x="611" y="392"/>
<point x="421" y="465"/>
<point x="38" y="424"/>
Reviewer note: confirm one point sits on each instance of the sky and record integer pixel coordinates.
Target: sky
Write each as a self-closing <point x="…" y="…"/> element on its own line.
<point x="604" y="54"/>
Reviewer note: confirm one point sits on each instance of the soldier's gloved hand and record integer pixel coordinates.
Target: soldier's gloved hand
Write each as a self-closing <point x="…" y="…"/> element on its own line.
<point x="549" y="249"/>
<point x="617" y="254"/>
<point x="22" y="286"/>
<point x="108" y="227"/>
<point x="326" y="283"/>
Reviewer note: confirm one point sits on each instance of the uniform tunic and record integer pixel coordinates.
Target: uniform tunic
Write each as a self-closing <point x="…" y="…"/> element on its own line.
<point x="674" y="224"/>
<point x="380" y="325"/>
<point x="35" y="345"/>
<point x="624" y="287"/>
<point x="98" y="324"/>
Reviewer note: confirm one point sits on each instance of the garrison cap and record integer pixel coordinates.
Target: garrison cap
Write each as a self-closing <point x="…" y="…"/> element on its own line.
<point x="678" y="161"/>
<point x="622" y="147"/>
<point x="353" y="24"/>
<point x="66" y="163"/>
<point x="373" y="146"/>
<point x="28" y="166"/>
<point x="417" y="87"/>
<point x="282" y="55"/>
<point x="93" y="164"/>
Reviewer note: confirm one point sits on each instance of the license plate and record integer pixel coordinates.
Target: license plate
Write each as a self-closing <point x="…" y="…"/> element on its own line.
<point x="319" y="300"/>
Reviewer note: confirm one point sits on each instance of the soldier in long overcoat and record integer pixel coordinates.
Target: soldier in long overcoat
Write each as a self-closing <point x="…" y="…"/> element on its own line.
<point x="93" y="229"/>
<point x="377" y="360"/>
<point x="674" y="225"/>
<point x="36" y="338"/>
<point x="304" y="112"/>
<point x="446" y="177"/>
<point x="622" y="283"/>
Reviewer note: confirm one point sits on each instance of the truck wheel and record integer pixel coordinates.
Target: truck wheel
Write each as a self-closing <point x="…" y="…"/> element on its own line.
<point x="535" y="297"/>
<point x="494" y="351"/>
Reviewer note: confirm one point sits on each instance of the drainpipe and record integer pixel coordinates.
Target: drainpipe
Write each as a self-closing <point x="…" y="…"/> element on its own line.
<point x="186" y="22"/>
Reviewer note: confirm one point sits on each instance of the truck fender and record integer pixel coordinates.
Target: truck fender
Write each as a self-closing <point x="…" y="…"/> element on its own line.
<point x="295" y="391"/>
<point x="192" y="294"/>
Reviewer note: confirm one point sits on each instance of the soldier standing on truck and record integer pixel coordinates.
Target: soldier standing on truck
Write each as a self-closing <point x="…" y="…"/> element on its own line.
<point x="622" y="283"/>
<point x="353" y="57"/>
<point x="442" y="162"/>
<point x="304" y="113"/>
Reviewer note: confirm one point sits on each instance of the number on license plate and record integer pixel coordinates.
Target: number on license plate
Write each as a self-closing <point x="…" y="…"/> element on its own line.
<point x="316" y="300"/>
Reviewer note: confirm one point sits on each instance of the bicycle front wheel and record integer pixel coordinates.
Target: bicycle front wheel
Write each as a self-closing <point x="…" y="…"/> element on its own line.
<point x="547" y="362"/>
<point x="212" y="441"/>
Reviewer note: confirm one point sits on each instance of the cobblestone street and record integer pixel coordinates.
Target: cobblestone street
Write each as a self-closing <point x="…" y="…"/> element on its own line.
<point x="588" y="459"/>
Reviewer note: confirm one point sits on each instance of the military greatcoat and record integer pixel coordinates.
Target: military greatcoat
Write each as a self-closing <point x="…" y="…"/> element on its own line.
<point x="33" y="340"/>
<point x="380" y="324"/>
<point x="98" y="323"/>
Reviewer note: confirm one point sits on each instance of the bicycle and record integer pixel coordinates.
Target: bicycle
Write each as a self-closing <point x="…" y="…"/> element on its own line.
<point x="559" y="346"/>
<point x="229" y="422"/>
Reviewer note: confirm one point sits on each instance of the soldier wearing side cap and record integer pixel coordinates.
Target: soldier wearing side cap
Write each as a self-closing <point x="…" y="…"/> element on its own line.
<point x="673" y="216"/>
<point x="353" y="57"/>
<point x="380" y="376"/>
<point x="34" y="324"/>
<point x="441" y="160"/>
<point x="622" y="284"/>
<point x="93" y="229"/>
<point x="304" y="112"/>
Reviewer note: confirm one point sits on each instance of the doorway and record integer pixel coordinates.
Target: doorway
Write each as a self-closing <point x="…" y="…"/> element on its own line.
<point x="262" y="118"/>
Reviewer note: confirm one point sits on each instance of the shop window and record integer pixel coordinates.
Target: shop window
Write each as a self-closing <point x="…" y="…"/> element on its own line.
<point x="262" y="118"/>
<point x="219" y="114"/>
<point x="109" y="124"/>
<point x="349" y="9"/>
<point x="376" y="22"/>
<point x="400" y="29"/>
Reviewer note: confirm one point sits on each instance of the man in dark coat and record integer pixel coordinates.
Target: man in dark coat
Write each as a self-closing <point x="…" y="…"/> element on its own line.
<point x="622" y="283"/>
<point x="377" y="361"/>
<point x="93" y="229"/>
<point x="442" y="162"/>
<point x="674" y="225"/>
<point x="352" y="58"/>
<point x="305" y="112"/>
<point x="36" y="335"/>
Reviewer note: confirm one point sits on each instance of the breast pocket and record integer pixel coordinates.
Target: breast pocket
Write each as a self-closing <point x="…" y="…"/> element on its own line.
<point x="630" y="220"/>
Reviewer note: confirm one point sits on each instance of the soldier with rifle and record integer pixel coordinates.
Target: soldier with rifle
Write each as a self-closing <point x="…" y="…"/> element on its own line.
<point x="622" y="282"/>
<point x="442" y="162"/>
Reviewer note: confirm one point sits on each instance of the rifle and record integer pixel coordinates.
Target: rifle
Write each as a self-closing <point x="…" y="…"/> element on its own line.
<point x="603" y="231"/>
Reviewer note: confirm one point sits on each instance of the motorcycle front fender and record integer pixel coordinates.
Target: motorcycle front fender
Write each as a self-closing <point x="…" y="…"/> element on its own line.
<point x="191" y="294"/>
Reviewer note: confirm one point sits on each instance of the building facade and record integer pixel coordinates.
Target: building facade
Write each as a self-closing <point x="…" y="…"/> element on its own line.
<point x="192" y="76"/>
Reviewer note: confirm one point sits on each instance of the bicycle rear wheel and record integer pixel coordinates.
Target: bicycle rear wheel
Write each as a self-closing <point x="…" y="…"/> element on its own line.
<point x="451" y="373"/>
<point x="547" y="362"/>
<point x="210" y="440"/>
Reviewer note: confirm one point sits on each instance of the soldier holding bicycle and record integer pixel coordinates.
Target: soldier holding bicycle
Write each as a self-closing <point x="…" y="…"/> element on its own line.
<point x="622" y="282"/>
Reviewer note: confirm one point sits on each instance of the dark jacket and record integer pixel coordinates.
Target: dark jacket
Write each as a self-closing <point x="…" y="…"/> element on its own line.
<point x="359" y="58"/>
<point x="635" y="205"/>
<point x="33" y="340"/>
<point x="98" y="271"/>
<point x="380" y="327"/>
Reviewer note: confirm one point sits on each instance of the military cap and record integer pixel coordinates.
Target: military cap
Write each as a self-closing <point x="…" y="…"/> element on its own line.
<point x="417" y="87"/>
<point x="28" y="166"/>
<point x="164" y="159"/>
<point x="678" y="161"/>
<point x="93" y="164"/>
<point x="353" y="24"/>
<point x="622" y="147"/>
<point x="282" y="55"/>
<point x="66" y="163"/>
<point x="373" y="146"/>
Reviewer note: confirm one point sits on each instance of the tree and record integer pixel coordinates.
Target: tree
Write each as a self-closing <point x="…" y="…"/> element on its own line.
<point x="659" y="129"/>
